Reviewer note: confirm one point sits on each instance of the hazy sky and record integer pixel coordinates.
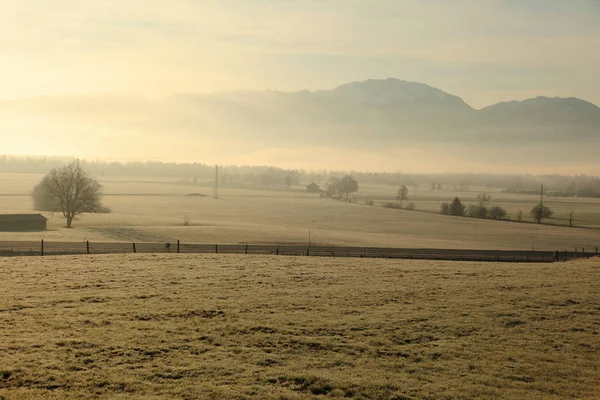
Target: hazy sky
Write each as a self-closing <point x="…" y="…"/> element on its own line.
<point x="484" y="51"/>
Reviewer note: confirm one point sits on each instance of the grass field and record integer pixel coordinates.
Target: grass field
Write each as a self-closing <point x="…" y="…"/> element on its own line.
<point x="586" y="211"/>
<point x="153" y="211"/>
<point x="229" y="327"/>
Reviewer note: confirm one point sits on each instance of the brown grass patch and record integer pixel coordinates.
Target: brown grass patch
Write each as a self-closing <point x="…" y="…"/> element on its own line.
<point x="241" y="327"/>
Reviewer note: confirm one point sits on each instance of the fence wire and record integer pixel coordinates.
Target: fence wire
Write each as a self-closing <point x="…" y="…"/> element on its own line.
<point x="43" y="248"/>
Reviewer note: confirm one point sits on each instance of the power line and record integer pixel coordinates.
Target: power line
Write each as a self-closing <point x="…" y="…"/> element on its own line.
<point x="541" y="206"/>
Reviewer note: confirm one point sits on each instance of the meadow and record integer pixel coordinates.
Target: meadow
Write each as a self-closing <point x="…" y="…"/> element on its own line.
<point x="155" y="210"/>
<point x="242" y="327"/>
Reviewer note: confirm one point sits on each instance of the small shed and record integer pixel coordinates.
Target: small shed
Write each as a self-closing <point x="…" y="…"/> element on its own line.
<point x="313" y="188"/>
<point x="22" y="222"/>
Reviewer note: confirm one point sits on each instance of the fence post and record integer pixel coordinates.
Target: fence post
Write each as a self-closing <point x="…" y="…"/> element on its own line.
<point x="87" y="246"/>
<point x="583" y="251"/>
<point x="216" y="249"/>
<point x="134" y="249"/>
<point x="246" y="251"/>
<point x="42" y="248"/>
<point x="307" y="252"/>
<point x="178" y="247"/>
<point x="566" y="255"/>
<point x="277" y="252"/>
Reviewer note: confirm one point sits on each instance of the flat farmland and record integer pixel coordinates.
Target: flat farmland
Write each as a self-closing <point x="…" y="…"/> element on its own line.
<point x="154" y="211"/>
<point x="586" y="211"/>
<point x="234" y="327"/>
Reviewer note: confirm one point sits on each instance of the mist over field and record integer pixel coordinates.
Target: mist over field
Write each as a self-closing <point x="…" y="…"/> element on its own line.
<point x="376" y="125"/>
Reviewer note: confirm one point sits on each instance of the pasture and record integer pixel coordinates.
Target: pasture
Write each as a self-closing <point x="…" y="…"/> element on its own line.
<point x="233" y="327"/>
<point x="154" y="211"/>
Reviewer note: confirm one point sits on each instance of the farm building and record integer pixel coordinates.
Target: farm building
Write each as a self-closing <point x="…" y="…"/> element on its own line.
<point x="313" y="188"/>
<point x="22" y="222"/>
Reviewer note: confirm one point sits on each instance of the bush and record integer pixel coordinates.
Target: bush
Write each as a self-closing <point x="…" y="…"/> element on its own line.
<point x="410" y="206"/>
<point x="497" y="213"/>
<point x="391" y="205"/>
<point x="445" y="209"/>
<point x="477" y="211"/>
<point x="545" y="213"/>
<point x="369" y="202"/>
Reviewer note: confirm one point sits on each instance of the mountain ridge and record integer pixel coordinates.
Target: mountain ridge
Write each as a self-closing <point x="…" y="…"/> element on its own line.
<point x="343" y="90"/>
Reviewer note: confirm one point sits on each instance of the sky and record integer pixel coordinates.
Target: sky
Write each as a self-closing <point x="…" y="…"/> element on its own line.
<point x="485" y="51"/>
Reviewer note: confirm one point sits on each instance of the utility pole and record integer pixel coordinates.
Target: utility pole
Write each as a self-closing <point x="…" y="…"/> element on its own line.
<point x="216" y="181"/>
<point x="541" y="206"/>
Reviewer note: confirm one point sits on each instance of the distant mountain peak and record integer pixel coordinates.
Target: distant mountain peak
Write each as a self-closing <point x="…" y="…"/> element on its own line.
<point x="546" y="103"/>
<point x="392" y="90"/>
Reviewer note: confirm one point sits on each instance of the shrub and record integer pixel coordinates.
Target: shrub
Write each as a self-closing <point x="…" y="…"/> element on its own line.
<point x="369" y="202"/>
<point x="497" y="213"/>
<point x="545" y="213"/>
<point x="410" y="206"/>
<point x="391" y="205"/>
<point x="477" y="211"/>
<point x="445" y="209"/>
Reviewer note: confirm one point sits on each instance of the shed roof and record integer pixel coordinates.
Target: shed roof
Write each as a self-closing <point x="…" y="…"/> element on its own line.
<point x="21" y="217"/>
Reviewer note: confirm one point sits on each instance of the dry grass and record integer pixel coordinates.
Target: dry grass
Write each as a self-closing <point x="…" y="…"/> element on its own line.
<point x="585" y="209"/>
<point x="230" y="327"/>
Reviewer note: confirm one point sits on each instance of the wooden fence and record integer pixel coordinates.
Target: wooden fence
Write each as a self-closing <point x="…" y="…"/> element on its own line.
<point x="43" y="248"/>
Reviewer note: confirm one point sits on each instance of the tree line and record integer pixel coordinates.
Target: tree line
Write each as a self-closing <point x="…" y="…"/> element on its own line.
<point x="558" y="185"/>
<point x="483" y="210"/>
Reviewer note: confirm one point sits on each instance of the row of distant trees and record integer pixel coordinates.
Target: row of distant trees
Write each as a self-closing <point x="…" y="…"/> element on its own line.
<point x="589" y="188"/>
<point x="483" y="210"/>
<point x="580" y="185"/>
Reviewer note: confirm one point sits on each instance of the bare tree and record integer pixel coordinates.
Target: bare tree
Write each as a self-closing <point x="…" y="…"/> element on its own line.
<point x="69" y="190"/>
<point x="571" y="217"/>
<point x="331" y="186"/>
<point x="484" y="199"/>
<point x="402" y="195"/>
<point x="186" y="220"/>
